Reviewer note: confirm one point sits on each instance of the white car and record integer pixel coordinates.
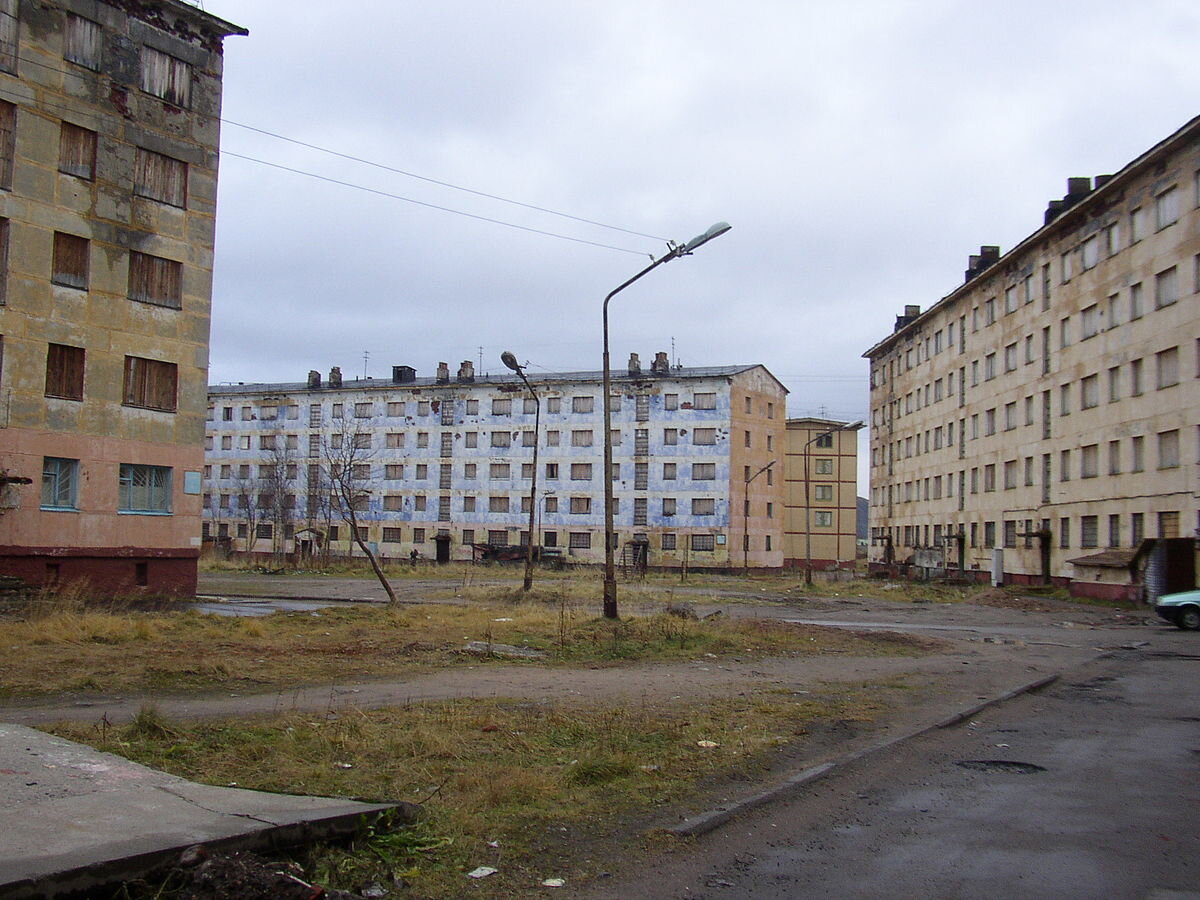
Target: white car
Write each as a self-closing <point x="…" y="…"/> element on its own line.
<point x="1182" y="610"/>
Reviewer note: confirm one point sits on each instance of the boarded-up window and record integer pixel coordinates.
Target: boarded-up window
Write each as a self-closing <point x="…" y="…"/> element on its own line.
<point x="81" y="42"/>
<point x="77" y="151"/>
<point x="8" y="35"/>
<point x="160" y="178"/>
<point x="3" y="261"/>
<point x="153" y="279"/>
<point x="150" y="383"/>
<point x="167" y="77"/>
<point x="8" y="140"/>
<point x="70" y="260"/>
<point x="64" y="372"/>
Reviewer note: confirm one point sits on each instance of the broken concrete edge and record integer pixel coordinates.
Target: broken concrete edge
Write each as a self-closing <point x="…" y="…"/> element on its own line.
<point x="711" y="820"/>
<point x="84" y="881"/>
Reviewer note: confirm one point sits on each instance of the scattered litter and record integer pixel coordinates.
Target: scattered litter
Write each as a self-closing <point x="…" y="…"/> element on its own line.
<point x="484" y="648"/>
<point x="482" y="872"/>
<point x="494" y="844"/>
<point x="649" y="768"/>
<point x="490" y="727"/>
<point x="343" y="765"/>
<point x="1002" y="745"/>
<point x="374" y="889"/>
<point x="502" y="619"/>
<point x="707" y="744"/>
<point x="554" y="882"/>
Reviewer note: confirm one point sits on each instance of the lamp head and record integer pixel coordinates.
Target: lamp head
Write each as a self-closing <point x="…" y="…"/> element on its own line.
<point x="509" y="360"/>
<point x="701" y="239"/>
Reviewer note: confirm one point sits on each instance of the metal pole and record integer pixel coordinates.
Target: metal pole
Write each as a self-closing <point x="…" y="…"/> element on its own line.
<point x="746" y="515"/>
<point x="511" y="361"/>
<point x="610" y="575"/>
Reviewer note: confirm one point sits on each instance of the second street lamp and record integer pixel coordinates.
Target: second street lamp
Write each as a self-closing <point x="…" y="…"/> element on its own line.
<point x="746" y="515"/>
<point x="511" y="361"/>
<point x="674" y="251"/>
<point x="853" y="426"/>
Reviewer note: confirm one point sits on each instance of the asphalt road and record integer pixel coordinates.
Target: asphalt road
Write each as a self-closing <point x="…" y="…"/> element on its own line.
<point x="1086" y="789"/>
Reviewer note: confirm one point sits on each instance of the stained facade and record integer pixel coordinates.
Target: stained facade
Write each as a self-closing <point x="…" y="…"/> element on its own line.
<point x="447" y="463"/>
<point x="821" y="493"/>
<point x="1042" y="421"/>
<point x="109" y="124"/>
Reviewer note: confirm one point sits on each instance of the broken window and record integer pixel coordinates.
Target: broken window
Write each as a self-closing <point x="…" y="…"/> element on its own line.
<point x="166" y="77"/>
<point x="160" y="178"/>
<point x="77" y="151"/>
<point x="153" y="279"/>
<point x="150" y="383"/>
<point x="64" y="372"/>
<point x="70" y="260"/>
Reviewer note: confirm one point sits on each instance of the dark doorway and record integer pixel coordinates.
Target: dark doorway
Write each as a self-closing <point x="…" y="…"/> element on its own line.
<point x="443" y="548"/>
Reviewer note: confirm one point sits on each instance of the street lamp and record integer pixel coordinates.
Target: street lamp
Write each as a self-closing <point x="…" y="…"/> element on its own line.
<point x="746" y="515"/>
<point x="853" y="426"/>
<point x="673" y="252"/>
<point x="511" y="361"/>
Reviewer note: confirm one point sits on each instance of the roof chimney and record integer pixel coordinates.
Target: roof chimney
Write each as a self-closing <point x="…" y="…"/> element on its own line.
<point x="443" y="373"/>
<point x="314" y="379"/>
<point x="403" y="374"/>
<point x="335" y="377"/>
<point x="661" y="365"/>
<point x="987" y="256"/>
<point x="635" y="364"/>
<point x="466" y="371"/>
<point x="910" y="312"/>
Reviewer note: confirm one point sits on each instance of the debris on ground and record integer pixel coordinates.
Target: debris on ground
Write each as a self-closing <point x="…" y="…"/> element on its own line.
<point x="484" y="648"/>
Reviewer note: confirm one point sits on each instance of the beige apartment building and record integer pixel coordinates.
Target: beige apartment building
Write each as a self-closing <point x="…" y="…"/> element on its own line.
<point x="109" y="123"/>
<point x="444" y="464"/>
<point x="1041" y="423"/>
<point x="821" y="494"/>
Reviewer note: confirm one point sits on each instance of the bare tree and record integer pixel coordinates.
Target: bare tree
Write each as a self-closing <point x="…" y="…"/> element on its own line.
<point x="245" y="489"/>
<point x="276" y="483"/>
<point x="347" y="462"/>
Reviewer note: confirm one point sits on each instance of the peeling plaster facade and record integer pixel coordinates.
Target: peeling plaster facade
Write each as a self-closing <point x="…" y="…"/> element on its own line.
<point x="452" y="456"/>
<point x="1044" y="418"/>
<point x="109" y="126"/>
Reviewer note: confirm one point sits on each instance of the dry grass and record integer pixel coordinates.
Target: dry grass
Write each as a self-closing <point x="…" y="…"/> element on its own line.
<point x="89" y="650"/>
<point x="533" y="789"/>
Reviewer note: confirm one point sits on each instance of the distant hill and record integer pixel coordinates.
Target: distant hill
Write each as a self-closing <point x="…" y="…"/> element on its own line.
<point x="862" y="518"/>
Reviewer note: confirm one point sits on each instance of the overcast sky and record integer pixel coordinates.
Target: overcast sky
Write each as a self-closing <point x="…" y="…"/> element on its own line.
<point x="861" y="150"/>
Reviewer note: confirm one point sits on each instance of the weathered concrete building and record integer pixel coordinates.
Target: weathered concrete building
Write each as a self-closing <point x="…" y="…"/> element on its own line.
<point x="109" y="123"/>
<point x="447" y="462"/>
<point x="1042" y="421"/>
<point x="821" y="494"/>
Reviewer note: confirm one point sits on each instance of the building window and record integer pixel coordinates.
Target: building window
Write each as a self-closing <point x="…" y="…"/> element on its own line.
<point x="1090" y="252"/>
<point x="1089" y="391"/>
<point x="144" y="489"/>
<point x="150" y="384"/>
<point x="1168" y="449"/>
<point x="704" y="471"/>
<point x="668" y="541"/>
<point x="668" y="506"/>
<point x="551" y="503"/>
<point x="579" y="540"/>
<point x="161" y="178"/>
<point x="823" y="518"/>
<point x="1135" y="378"/>
<point x="76" y="151"/>
<point x="392" y="535"/>
<point x="471" y="440"/>
<point x="823" y="493"/>
<point x="1136" y="307"/>
<point x="502" y="407"/>
<point x="704" y="401"/>
<point x="1089" y="322"/>
<point x="501" y="439"/>
<point x="418" y="536"/>
<point x="704" y="542"/>
<point x="1166" y="288"/>
<point x="704" y="506"/>
<point x="670" y="401"/>
<point x="581" y="438"/>
<point x="1114" y="531"/>
<point x="153" y="279"/>
<point x="1114" y="457"/>
<point x="581" y="506"/>
<point x="1089" y="461"/>
<point x="8" y="136"/>
<point x="1166" y="208"/>
<point x="1138" y="446"/>
<point x="823" y="466"/>
<point x="704" y="436"/>
<point x="1089" y="531"/>
<point x="70" y="266"/>
<point x="1137" y="224"/>
<point x="670" y="437"/>
<point x="582" y="404"/>
<point x="1168" y="367"/>
<point x="824" y="441"/>
<point x="669" y="471"/>
<point x="60" y="479"/>
<point x="166" y="77"/>
<point x="581" y="471"/>
<point x="393" y="472"/>
<point x="64" y="372"/>
<point x="81" y="42"/>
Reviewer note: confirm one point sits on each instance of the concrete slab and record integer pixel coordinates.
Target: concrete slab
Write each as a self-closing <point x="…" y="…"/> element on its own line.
<point x="76" y="818"/>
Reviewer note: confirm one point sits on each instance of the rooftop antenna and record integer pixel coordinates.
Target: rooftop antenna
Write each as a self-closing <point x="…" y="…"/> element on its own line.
<point x="366" y="359"/>
<point x="673" y="356"/>
<point x="481" y="360"/>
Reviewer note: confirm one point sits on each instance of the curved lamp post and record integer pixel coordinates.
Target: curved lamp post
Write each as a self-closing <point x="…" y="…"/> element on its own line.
<point x="746" y="515"/>
<point x="511" y="361"/>
<point x="674" y="251"/>
<point x="853" y="426"/>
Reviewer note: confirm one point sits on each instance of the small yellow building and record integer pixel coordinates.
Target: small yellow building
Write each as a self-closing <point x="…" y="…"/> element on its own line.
<point x="821" y="498"/>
